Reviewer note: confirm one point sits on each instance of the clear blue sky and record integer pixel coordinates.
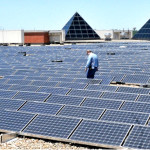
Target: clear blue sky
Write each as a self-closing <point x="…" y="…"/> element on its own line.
<point x="53" y="14"/>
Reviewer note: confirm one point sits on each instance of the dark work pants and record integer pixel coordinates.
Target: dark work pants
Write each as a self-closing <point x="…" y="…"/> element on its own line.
<point x="91" y="73"/>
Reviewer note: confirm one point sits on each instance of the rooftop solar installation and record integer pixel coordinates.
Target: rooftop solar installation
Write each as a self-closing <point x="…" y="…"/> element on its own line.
<point x="54" y="100"/>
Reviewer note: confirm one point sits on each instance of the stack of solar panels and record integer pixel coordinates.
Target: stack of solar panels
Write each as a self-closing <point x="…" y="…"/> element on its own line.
<point x="54" y="100"/>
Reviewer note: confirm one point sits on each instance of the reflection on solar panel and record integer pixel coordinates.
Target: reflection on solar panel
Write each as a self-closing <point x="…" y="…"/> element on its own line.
<point x="100" y="133"/>
<point x="13" y="121"/>
<point x="136" y="107"/>
<point x="102" y="103"/>
<point x="85" y="93"/>
<point x="31" y="96"/>
<point x="139" y="138"/>
<point x="125" y="117"/>
<point x="52" y="126"/>
<point x="120" y="96"/>
<point x="62" y="99"/>
<point x="81" y="112"/>
<point x="42" y="108"/>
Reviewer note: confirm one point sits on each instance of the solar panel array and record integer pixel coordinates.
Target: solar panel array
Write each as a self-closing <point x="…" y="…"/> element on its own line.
<point x="54" y="100"/>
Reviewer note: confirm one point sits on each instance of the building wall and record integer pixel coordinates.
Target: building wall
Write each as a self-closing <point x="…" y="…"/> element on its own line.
<point x="102" y="33"/>
<point x="12" y="36"/>
<point x="36" y="37"/>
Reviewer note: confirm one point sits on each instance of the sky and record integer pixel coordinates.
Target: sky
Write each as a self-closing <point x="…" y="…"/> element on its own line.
<point x="54" y="14"/>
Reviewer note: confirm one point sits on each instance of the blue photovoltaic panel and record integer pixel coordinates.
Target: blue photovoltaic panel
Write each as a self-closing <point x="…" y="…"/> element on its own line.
<point x="144" y="98"/>
<point x="10" y="104"/>
<point x="120" y="96"/>
<point x="5" y="86"/>
<point x="102" y="88"/>
<point x="44" y="83"/>
<point x="81" y="112"/>
<point x="136" y="107"/>
<point x="31" y="96"/>
<point x="139" y="138"/>
<point x="72" y="85"/>
<point x="13" y="121"/>
<point x="3" y="81"/>
<point x="37" y="78"/>
<point x="42" y="108"/>
<point x="52" y="90"/>
<point x="62" y="99"/>
<point x="20" y="82"/>
<point x="85" y="93"/>
<point x="52" y="126"/>
<point x="61" y="79"/>
<point x="133" y="90"/>
<point x="7" y="94"/>
<point x="24" y="88"/>
<point x="100" y="132"/>
<point x="136" y="79"/>
<point x="90" y="81"/>
<point x="102" y="103"/>
<point x="15" y="77"/>
<point x="125" y="117"/>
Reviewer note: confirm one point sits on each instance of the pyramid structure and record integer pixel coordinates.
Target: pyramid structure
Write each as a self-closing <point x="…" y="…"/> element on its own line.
<point x="78" y="29"/>
<point x="144" y="32"/>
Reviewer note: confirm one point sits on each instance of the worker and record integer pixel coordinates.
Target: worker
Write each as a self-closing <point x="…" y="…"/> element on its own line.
<point x="91" y="65"/>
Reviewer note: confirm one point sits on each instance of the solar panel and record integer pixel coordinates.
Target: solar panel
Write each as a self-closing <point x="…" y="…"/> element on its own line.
<point x="139" y="138"/>
<point x="81" y="112"/>
<point x="102" y="103"/>
<point x="119" y="96"/>
<point x="52" y="126"/>
<point x="72" y="85"/>
<point x="52" y="90"/>
<point x="144" y="98"/>
<point x="136" y="79"/>
<point x="136" y="107"/>
<point x="20" y="82"/>
<point x="13" y="121"/>
<point x="133" y="90"/>
<point x="42" y="108"/>
<point x="125" y="117"/>
<point x="37" y="78"/>
<point x="7" y="93"/>
<point x="44" y="83"/>
<point x="102" y="88"/>
<point x="4" y="86"/>
<point x="24" y="88"/>
<point x="97" y="132"/>
<point x="85" y="93"/>
<point x="10" y="104"/>
<point x="32" y="96"/>
<point x="90" y="81"/>
<point x="62" y="99"/>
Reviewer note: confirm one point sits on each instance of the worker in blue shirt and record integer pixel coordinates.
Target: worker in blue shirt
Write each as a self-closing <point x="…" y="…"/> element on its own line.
<point x="91" y="65"/>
